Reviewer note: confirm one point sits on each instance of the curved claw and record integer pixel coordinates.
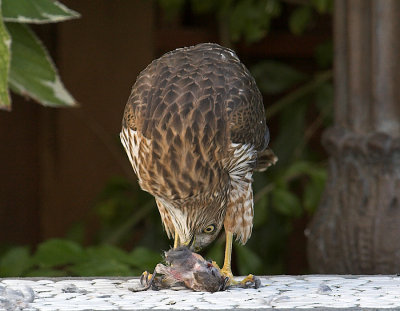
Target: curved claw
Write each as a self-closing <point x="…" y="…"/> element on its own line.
<point x="145" y="278"/>
<point x="225" y="284"/>
<point x="147" y="281"/>
<point x="227" y="273"/>
<point x="250" y="280"/>
<point x="230" y="281"/>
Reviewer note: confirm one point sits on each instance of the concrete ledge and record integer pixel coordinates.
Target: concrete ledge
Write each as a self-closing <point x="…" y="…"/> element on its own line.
<point x="308" y="292"/>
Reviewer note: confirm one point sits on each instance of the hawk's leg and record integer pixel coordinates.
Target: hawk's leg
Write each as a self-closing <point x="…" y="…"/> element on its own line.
<point x="227" y="271"/>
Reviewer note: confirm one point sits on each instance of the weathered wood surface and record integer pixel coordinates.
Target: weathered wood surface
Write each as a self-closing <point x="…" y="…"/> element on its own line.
<point x="308" y="292"/>
<point x="357" y="227"/>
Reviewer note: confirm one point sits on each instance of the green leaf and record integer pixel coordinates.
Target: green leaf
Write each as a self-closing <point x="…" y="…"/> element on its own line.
<point x="108" y="252"/>
<point x="286" y="202"/>
<point x="323" y="6"/>
<point x="273" y="7"/>
<point x="299" y="20"/>
<point x="5" y="102"/>
<point x="144" y="258"/>
<point x="57" y="252"/>
<point x="36" y="11"/>
<point x="15" y="262"/>
<point x="274" y="77"/>
<point x="297" y="169"/>
<point x="251" y="19"/>
<point x="32" y="72"/>
<point x="292" y="120"/>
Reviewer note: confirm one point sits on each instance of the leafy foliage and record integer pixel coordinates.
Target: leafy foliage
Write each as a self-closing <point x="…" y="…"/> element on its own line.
<point x="250" y="20"/>
<point x="32" y="72"/>
<point x="36" y="11"/>
<point x="60" y="257"/>
<point x="275" y="77"/>
<point x="25" y="65"/>
<point x="299" y="19"/>
<point x="53" y="253"/>
<point x="15" y="262"/>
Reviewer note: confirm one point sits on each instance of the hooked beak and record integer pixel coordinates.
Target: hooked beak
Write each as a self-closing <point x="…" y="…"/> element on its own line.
<point x="190" y="243"/>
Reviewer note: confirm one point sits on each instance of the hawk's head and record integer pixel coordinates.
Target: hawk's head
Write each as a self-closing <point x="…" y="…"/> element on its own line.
<point x="197" y="220"/>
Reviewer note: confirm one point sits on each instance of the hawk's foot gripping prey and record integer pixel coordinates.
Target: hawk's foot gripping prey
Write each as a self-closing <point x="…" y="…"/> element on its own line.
<point x="194" y="129"/>
<point x="185" y="268"/>
<point x="226" y="270"/>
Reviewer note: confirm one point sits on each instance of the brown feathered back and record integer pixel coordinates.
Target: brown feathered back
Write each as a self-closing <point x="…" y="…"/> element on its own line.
<point x="193" y="127"/>
<point x="192" y="103"/>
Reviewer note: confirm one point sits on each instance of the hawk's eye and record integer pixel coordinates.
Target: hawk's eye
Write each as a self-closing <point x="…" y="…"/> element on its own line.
<point x="209" y="229"/>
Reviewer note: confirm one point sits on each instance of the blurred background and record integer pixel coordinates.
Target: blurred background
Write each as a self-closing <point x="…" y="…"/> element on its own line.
<point x="69" y="200"/>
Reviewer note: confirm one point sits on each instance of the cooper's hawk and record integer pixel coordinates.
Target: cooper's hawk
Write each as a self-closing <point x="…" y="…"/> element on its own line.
<point x="194" y="130"/>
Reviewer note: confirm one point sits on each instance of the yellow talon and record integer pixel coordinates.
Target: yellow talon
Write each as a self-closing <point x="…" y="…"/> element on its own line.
<point x="249" y="278"/>
<point x="215" y="265"/>
<point x="226" y="272"/>
<point x="226" y="269"/>
<point x="145" y="278"/>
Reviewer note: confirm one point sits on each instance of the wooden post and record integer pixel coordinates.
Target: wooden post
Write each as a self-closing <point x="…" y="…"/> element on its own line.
<point x="357" y="227"/>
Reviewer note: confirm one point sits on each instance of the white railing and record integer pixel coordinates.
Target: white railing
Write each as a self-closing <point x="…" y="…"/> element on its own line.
<point x="316" y="292"/>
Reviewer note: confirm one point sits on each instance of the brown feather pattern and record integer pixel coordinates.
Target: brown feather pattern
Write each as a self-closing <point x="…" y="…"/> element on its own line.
<point x="188" y="112"/>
